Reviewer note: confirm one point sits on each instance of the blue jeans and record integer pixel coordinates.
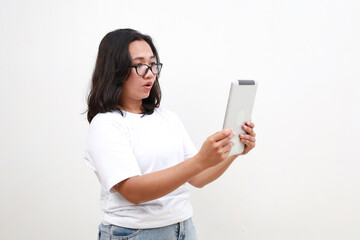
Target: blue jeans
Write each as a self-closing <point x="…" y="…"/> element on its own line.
<point x="179" y="231"/>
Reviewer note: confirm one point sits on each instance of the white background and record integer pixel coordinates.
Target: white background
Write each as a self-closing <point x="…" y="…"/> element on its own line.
<point x="301" y="182"/>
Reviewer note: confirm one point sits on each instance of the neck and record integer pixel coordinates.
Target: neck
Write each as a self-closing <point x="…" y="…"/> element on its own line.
<point x="134" y="107"/>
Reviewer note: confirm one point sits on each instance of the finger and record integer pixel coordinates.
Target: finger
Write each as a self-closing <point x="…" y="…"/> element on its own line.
<point x="226" y="154"/>
<point x="221" y="135"/>
<point x="249" y="130"/>
<point x="248" y="143"/>
<point x="247" y="137"/>
<point x="250" y="124"/>
<point x="227" y="148"/>
<point x="226" y="140"/>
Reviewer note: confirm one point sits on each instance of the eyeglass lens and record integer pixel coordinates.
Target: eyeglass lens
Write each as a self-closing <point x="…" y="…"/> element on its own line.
<point x="142" y="69"/>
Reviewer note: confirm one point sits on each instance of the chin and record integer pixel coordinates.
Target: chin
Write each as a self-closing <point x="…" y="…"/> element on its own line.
<point x="145" y="96"/>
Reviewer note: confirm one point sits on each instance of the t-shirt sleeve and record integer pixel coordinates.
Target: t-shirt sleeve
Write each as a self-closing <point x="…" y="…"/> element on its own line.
<point x="109" y="153"/>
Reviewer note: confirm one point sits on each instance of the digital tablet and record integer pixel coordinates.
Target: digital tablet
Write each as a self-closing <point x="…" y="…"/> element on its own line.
<point x="238" y="110"/>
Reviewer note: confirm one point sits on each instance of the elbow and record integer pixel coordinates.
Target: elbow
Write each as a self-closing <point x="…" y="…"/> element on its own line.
<point x="136" y="198"/>
<point x="200" y="186"/>
<point x="127" y="194"/>
<point x="133" y="198"/>
<point x="134" y="201"/>
<point x="197" y="184"/>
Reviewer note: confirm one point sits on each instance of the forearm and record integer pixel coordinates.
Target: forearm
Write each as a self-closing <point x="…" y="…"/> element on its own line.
<point x="211" y="174"/>
<point x="157" y="184"/>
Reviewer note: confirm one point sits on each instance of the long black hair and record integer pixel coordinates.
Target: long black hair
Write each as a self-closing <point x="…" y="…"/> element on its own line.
<point x="112" y="70"/>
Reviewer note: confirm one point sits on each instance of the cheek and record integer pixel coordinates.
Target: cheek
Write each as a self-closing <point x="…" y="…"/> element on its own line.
<point x="131" y="84"/>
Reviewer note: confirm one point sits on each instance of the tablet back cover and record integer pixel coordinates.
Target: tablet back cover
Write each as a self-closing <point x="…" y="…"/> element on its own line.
<point x="239" y="109"/>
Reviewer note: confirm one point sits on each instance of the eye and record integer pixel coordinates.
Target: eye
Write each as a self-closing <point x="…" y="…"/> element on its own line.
<point x="141" y="66"/>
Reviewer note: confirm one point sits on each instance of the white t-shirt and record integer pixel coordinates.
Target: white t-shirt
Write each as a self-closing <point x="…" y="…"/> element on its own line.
<point x="119" y="147"/>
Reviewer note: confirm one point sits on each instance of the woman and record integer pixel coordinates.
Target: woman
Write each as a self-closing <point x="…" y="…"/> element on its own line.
<point x="141" y="153"/>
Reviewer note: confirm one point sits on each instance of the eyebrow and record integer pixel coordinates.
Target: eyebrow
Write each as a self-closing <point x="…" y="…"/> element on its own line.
<point x="142" y="58"/>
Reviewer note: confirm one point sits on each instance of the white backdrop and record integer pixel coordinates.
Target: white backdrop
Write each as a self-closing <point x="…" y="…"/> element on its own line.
<point x="302" y="180"/>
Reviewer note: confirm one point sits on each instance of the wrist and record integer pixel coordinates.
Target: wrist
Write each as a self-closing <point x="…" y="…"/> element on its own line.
<point x="199" y="162"/>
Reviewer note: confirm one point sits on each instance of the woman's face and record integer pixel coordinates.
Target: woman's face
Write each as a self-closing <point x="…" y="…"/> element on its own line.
<point x="136" y="87"/>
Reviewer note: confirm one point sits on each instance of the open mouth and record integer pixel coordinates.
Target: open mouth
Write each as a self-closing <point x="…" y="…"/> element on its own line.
<point x="148" y="84"/>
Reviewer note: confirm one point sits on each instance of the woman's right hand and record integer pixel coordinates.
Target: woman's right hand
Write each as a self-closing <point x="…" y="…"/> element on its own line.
<point x="216" y="148"/>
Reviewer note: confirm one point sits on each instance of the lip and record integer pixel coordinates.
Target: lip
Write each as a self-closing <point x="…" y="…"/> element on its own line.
<point x="148" y="85"/>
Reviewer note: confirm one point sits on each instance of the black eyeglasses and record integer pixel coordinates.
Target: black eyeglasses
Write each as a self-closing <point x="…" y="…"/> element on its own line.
<point x="142" y="69"/>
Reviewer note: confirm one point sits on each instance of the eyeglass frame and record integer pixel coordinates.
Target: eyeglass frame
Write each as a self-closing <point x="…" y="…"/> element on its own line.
<point x="148" y="67"/>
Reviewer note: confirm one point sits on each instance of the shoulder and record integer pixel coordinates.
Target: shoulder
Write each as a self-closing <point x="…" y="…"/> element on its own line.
<point x="107" y="120"/>
<point x="105" y="129"/>
<point x="105" y="117"/>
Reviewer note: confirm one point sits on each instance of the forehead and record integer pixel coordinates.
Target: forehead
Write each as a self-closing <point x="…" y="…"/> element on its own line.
<point x="140" y="49"/>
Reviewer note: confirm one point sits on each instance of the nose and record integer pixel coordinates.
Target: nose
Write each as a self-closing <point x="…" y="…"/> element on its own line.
<point x="149" y="74"/>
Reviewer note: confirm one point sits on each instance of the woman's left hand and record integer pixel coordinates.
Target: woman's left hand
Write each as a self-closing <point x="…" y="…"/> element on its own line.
<point x="249" y="138"/>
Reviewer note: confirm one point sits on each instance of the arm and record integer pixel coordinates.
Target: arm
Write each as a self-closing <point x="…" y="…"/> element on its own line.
<point x="211" y="174"/>
<point x="151" y="186"/>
